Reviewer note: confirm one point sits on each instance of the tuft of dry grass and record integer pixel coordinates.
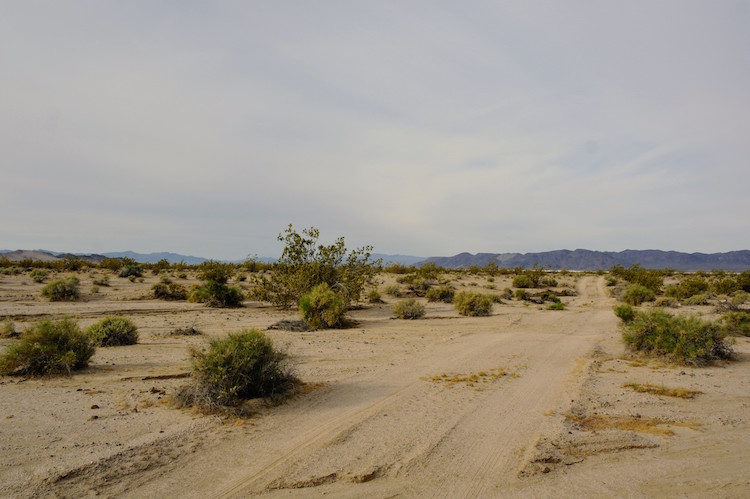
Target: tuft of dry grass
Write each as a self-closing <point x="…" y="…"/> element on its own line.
<point x="655" y="426"/>
<point x="683" y="393"/>
<point x="472" y="379"/>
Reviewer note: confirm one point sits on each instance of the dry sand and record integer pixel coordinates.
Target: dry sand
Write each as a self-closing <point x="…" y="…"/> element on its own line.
<point x="390" y="408"/>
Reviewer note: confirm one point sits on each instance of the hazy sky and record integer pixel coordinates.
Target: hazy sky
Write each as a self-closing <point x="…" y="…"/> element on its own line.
<point x="420" y="127"/>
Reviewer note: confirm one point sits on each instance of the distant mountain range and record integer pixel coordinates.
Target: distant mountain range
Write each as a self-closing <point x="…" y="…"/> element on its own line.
<point x="582" y="259"/>
<point x="579" y="259"/>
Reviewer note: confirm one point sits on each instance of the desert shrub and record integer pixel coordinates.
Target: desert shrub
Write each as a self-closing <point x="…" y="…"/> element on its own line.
<point x="523" y="281"/>
<point x="699" y="299"/>
<point x="686" y="339"/>
<point x="304" y="264"/>
<point x="610" y="280"/>
<point x="113" y="264"/>
<point x="473" y="304"/>
<point x="131" y="270"/>
<point x="103" y="281"/>
<point x="168" y="290"/>
<point x="522" y="294"/>
<point x="625" y="312"/>
<point x="743" y="281"/>
<point x="214" y="291"/>
<point x="8" y="328"/>
<point x="547" y="281"/>
<point x="373" y="296"/>
<point x="740" y="298"/>
<point x="38" y="275"/>
<point x="724" y="285"/>
<point x="442" y="293"/>
<point x="113" y="331"/>
<point x="558" y="305"/>
<point x="507" y="294"/>
<point x="635" y="294"/>
<point x="736" y="323"/>
<point x="182" y="275"/>
<point x="322" y="307"/>
<point x="48" y="348"/>
<point x="688" y="287"/>
<point x="393" y="290"/>
<point x="238" y="367"/>
<point x="408" y="309"/>
<point x="160" y="266"/>
<point x="94" y="290"/>
<point x="652" y="279"/>
<point x="62" y="289"/>
<point x="399" y="268"/>
<point x="665" y="301"/>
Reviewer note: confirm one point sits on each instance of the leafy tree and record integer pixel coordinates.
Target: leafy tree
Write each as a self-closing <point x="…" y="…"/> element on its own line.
<point x="304" y="264"/>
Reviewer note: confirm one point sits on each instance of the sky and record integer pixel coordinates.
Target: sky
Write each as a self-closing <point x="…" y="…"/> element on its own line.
<point x="426" y="128"/>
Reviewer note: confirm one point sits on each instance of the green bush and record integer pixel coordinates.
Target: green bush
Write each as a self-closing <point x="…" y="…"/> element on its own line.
<point x="131" y="271"/>
<point x="241" y="366"/>
<point x="557" y="305"/>
<point x="664" y="301"/>
<point x="507" y="294"/>
<point x="699" y="299"/>
<point x="113" y="264"/>
<point x="521" y="295"/>
<point x="322" y="307"/>
<point x="8" y="328"/>
<point x="113" y="331"/>
<point x="393" y="290"/>
<point x="635" y="294"/>
<point x="652" y="279"/>
<point x="611" y="280"/>
<point x="523" y="281"/>
<point x="472" y="304"/>
<point x="373" y="296"/>
<point x="444" y="293"/>
<point x="547" y="282"/>
<point x="62" y="289"/>
<point x="215" y="292"/>
<point x="304" y="264"/>
<point x="408" y="309"/>
<point x="168" y="290"/>
<point x="686" y="339"/>
<point x="48" y="348"/>
<point x="688" y="287"/>
<point x="736" y="323"/>
<point x="625" y="312"/>
<point x="103" y="281"/>
<point x="38" y="275"/>
<point x="724" y="285"/>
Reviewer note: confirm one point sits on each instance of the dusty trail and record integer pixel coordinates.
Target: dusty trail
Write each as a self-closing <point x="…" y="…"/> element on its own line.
<point x="394" y="431"/>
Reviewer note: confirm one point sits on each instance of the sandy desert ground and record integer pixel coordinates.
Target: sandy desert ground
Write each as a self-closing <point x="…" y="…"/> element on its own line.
<point x="390" y="407"/>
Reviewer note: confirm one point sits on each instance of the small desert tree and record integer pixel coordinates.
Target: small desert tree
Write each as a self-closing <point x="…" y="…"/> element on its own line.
<point x="215" y="292"/>
<point x="304" y="264"/>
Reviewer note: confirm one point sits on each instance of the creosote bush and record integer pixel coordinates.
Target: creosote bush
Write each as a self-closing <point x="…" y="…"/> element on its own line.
<point x="472" y="304"/>
<point x="322" y="307"/>
<point x="444" y="293"/>
<point x="408" y="309"/>
<point x="165" y="289"/>
<point x="62" y="289"/>
<point x="38" y="275"/>
<point x="8" y="328"/>
<point x="238" y="367"/>
<point x="215" y="292"/>
<point x="635" y="294"/>
<point x="113" y="331"/>
<point x="736" y="323"/>
<point x="48" y="348"/>
<point x="686" y="339"/>
<point x="625" y="312"/>
<point x="373" y="296"/>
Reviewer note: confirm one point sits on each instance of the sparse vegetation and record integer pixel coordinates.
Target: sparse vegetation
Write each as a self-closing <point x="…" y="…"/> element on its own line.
<point x="38" y="275"/>
<point x="651" y="279"/>
<point x="472" y="304"/>
<point x="215" y="292"/>
<point x="444" y="293"/>
<point x="165" y="289"/>
<point x="558" y="305"/>
<point x="393" y="290"/>
<point x="304" y="264"/>
<point x="736" y="323"/>
<point x="635" y="294"/>
<point x="240" y="366"/>
<point x="625" y="312"/>
<point x="408" y="309"/>
<point x="683" y="393"/>
<point x="66" y="289"/>
<point x="686" y="339"/>
<point x="130" y="269"/>
<point x="8" y="328"/>
<point x="113" y="331"/>
<point x="373" y="296"/>
<point x="322" y="307"/>
<point x="48" y="348"/>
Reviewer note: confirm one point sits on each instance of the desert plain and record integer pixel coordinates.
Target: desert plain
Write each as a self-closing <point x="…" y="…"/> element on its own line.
<point x="527" y="402"/>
